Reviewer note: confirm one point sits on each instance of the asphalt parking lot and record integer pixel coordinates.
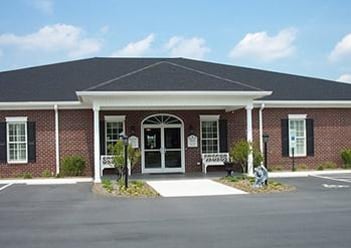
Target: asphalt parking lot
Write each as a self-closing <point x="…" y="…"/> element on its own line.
<point x="71" y="216"/>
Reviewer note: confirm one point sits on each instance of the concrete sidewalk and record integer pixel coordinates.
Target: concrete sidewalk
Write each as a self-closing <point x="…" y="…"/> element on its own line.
<point x="47" y="181"/>
<point x="192" y="187"/>
<point x="285" y="174"/>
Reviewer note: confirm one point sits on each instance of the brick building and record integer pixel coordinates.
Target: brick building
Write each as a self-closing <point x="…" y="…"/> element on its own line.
<point x="173" y="109"/>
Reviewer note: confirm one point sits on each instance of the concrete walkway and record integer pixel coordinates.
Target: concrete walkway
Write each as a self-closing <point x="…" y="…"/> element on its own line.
<point x="192" y="187"/>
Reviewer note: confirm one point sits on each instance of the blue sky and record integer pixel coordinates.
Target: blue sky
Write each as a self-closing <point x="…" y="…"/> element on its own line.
<point x="311" y="38"/>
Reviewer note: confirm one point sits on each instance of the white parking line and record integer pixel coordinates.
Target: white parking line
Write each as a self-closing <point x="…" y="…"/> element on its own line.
<point x="334" y="179"/>
<point x="6" y="186"/>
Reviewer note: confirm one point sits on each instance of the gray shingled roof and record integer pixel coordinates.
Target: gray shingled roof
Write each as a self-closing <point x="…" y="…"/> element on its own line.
<point x="59" y="82"/>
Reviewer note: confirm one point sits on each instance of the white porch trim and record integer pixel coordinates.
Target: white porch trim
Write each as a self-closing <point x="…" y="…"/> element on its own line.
<point x="249" y="108"/>
<point x="57" y="141"/>
<point x="97" y="176"/>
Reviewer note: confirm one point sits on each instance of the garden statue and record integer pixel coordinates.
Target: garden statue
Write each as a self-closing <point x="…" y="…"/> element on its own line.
<point x="261" y="176"/>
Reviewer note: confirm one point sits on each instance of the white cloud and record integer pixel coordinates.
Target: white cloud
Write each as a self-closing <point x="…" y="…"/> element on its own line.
<point x="134" y="49"/>
<point x="45" y="6"/>
<point x="194" y="47"/>
<point x="264" y="47"/>
<point x="53" y="38"/>
<point x="345" y="78"/>
<point x="104" y="29"/>
<point x="342" y="49"/>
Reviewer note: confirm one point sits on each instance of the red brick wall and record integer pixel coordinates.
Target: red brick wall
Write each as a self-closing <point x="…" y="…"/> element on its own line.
<point x="76" y="136"/>
<point x="45" y="144"/>
<point x="332" y="132"/>
<point x="190" y="118"/>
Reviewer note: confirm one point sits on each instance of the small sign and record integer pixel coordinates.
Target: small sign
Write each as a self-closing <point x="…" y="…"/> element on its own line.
<point x="192" y="140"/>
<point x="134" y="141"/>
<point x="293" y="139"/>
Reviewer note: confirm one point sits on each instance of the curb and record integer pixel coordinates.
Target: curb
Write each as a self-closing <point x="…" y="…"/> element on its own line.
<point x="306" y="173"/>
<point x="47" y="181"/>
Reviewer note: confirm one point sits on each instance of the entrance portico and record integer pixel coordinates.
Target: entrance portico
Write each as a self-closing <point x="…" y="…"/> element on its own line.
<point x="163" y="135"/>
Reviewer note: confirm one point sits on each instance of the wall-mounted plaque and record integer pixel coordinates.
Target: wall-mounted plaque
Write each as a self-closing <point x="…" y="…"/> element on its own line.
<point x="134" y="141"/>
<point x="192" y="140"/>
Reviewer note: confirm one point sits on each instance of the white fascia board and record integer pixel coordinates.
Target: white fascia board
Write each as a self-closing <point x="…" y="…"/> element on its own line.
<point x="30" y="105"/>
<point x="174" y="93"/>
<point x="303" y="104"/>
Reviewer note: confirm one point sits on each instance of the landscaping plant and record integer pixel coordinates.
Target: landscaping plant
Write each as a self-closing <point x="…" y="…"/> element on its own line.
<point x="239" y="153"/>
<point x="72" y="166"/>
<point x="346" y="157"/>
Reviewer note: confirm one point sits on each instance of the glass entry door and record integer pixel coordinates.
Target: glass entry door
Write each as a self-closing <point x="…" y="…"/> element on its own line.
<point x="163" y="146"/>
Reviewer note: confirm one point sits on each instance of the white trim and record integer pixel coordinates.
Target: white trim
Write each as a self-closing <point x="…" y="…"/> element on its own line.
<point x="208" y="118"/>
<point x="249" y="138"/>
<point x="17" y="119"/>
<point x="303" y="104"/>
<point x="97" y="176"/>
<point x="297" y="116"/>
<point x="32" y="105"/>
<point x="163" y="169"/>
<point x="57" y="141"/>
<point x="115" y="118"/>
<point x="209" y="92"/>
<point x="294" y="118"/>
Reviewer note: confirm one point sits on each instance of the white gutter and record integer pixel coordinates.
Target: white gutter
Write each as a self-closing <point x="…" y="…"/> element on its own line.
<point x="303" y="104"/>
<point x="29" y="105"/>
<point x="260" y="119"/>
<point x="57" y="142"/>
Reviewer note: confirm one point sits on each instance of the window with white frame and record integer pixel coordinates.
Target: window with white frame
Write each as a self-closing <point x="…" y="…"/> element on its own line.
<point x="114" y="127"/>
<point x="17" y="142"/>
<point x="297" y="127"/>
<point x="209" y="133"/>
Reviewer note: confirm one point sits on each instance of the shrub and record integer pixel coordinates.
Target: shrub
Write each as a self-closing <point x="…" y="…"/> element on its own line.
<point x="302" y="167"/>
<point x="46" y="173"/>
<point x="346" y="157"/>
<point x="327" y="165"/>
<point x="107" y="184"/>
<point x="240" y="151"/>
<point x="72" y="166"/>
<point x="27" y="175"/>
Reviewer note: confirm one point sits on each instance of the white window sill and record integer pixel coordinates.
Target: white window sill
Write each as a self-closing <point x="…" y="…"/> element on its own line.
<point x="17" y="162"/>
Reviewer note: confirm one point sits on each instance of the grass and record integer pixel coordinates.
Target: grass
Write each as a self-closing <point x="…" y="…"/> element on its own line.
<point x="135" y="188"/>
<point x="245" y="183"/>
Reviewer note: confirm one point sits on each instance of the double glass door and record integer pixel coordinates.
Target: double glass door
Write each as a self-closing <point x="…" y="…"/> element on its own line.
<point x="162" y="148"/>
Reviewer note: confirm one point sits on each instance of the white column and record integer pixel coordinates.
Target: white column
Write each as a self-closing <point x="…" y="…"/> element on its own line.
<point x="57" y="142"/>
<point x="97" y="176"/>
<point x="249" y="108"/>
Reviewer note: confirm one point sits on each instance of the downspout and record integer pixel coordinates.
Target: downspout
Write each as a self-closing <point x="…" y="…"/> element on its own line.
<point x="57" y="142"/>
<point x="260" y="119"/>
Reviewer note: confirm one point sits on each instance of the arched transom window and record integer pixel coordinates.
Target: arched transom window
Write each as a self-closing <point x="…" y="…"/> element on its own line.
<point x="162" y="119"/>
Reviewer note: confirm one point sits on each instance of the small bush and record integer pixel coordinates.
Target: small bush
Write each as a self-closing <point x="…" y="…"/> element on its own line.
<point x="27" y="175"/>
<point x="107" y="184"/>
<point x="46" y="173"/>
<point x="346" y="157"/>
<point x="275" y="168"/>
<point x="302" y="167"/>
<point x="327" y="165"/>
<point x="72" y="166"/>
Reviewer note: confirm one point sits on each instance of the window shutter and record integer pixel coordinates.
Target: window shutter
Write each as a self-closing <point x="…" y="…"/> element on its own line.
<point x="310" y="137"/>
<point x="102" y="138"/>
<point x="3" y="152"/>
<point x="31" y="141"/>
<point x="223" y="133"/>
<point x="285" y="137"/>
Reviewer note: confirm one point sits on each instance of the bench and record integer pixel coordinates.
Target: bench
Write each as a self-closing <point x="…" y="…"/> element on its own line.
<point x="106" y="162"/>
<point x="213" y="159"/>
